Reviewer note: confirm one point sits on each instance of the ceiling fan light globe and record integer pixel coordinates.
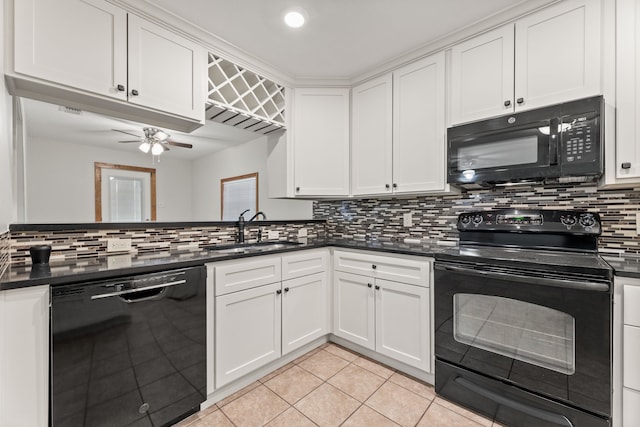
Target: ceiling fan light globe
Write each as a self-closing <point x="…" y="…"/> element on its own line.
<point x="145" y="147"/>
<point x="157" y="149"/>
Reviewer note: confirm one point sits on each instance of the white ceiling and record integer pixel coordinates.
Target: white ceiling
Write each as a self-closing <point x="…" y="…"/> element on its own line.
<point x="342" y="38"/>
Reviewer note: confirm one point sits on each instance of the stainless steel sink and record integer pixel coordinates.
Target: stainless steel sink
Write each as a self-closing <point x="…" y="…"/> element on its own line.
<point x="243" y="248"/>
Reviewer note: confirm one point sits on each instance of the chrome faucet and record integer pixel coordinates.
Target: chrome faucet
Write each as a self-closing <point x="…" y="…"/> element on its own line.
<point x="242" y="223"/>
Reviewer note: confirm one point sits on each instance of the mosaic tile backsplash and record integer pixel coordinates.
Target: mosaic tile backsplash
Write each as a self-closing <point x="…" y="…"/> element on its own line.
<point x="76" y="244"/>
<point x="434" y="217"/>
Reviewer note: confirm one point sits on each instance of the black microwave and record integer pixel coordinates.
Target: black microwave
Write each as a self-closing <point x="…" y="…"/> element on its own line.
<point x="559" y="143"/>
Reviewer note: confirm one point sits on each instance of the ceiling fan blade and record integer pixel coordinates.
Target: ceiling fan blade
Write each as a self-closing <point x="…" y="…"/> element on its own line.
<point x="137" y="140"/>
<point x="128" y="133"/>
<point x="179" y="144"/>
<point x="164" y="145"/>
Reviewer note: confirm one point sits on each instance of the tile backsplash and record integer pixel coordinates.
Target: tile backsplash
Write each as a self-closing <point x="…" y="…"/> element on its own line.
<point x="434" y="217"/>
<point x="5" y="252"/>
<point x="86" y="243"/>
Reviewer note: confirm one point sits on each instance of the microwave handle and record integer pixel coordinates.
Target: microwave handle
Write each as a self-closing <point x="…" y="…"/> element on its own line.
<point x="554" y="142"/>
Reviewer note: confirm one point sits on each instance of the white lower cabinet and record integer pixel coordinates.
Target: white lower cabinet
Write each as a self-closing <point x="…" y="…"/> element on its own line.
<point x="248" y="327"/>
<point x="304" y="310"/>
<point x="630" y="352"/>
<point x="389" y="317"/>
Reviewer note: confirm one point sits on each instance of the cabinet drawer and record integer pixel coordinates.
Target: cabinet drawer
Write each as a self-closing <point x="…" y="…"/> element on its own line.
<point x="411" y="271"/>
<point x="631" y="355"/>
<point x="247" y="273"/>
<point x="632" y="305"/>
<point x="304" y="263"/>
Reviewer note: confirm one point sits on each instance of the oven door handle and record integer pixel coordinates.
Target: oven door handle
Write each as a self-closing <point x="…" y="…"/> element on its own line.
<point x="538" y="413"/>
<point x="545" y="281"/>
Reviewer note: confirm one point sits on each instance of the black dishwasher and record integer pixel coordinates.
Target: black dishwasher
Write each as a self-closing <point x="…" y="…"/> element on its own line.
<point x="129" y="351"/>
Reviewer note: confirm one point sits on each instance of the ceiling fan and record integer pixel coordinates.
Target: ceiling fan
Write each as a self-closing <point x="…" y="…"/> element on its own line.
<point x="155" y="140"/>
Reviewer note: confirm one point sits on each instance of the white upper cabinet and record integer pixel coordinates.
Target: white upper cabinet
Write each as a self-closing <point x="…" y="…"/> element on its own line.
<point x="94" y="55"/>
<point x="627" y="155"/>
<point x="557" y="58"/>
<point x="398" y="130"/>
<point x="321" y="142"/>
<point x="78" y="43"/>
<point x="482" y="76"/>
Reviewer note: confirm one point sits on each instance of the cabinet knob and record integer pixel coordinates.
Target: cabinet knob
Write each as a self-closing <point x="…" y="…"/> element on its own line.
<point x="278" y="292"/>
<point x="377" y="288"/>
<point x="374" y="266"/>
<point x="507" y="102"/>
<point x="286" y="289"/>
<point x="120" y="88"/>
<point x="297" y="189"/>
<point x="520" y="100"/>
<point x="387" y="186"/>
<point x="369" y="285"/>
<point x="395" y="185"/>
<point x="134" y="92"/>
<point x="626" y="165"/>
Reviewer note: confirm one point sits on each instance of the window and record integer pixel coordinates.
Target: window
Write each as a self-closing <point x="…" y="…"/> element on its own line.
<point x="238" y="194"/>
<point x="124" y="193"/>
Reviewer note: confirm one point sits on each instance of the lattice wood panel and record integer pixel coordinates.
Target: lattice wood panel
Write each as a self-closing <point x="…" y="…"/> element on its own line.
<point x="242" y="98"/>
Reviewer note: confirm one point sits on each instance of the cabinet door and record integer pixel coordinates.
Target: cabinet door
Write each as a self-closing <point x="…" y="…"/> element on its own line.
<point x="371" y="137"/>
<point x="482" y="76"/>
<point x="419" y="126"/>
<point x="321" y="142"/>
<point x="354" y="309"/>
<point x="77" y="43"/>
<point x="165" y="70"/>
<point x="628" y="89"/>
<point x="630" y="407"/>
<point x="248" y="331"/>
<point x="402" y="323"/>
<point x="304" y="310"/>
<point x="558" y="54"/>
<point x="631" y="355"/>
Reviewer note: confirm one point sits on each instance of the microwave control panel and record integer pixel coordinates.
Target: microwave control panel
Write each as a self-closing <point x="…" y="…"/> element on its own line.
<point x="580" y="138"/>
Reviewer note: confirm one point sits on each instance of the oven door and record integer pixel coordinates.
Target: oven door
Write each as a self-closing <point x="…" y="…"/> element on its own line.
<point x="549" y="336"/>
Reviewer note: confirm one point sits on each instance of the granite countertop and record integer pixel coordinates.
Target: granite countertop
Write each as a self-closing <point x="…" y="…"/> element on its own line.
<point x="624" y="265"/>
<point x="89" y="269"/>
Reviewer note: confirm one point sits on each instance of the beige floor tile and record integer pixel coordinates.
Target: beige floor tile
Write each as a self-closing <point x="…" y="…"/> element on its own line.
<point x="276" y="372"/>
<point x="327" y="406"/>
<point x="497" y="424"/>
<point x="291" y="418"/>
<point x="399" y="404"/>
<point x="237" y="394"/>
<point x="308" y="354"/>
<point x="367" y="417"/>
<point x="374" y="367"/>
<point x="357" y="382"/>
<point x="255" y="408"/>
<point x="293" y="384"/>
<point x="214" y="419"/>
<point x="439" y="416"/>
<point x="480" y="419"/>
<point x="425" y="390"/>
<point x="341" y="352"/>
<point x="323" y="364"/>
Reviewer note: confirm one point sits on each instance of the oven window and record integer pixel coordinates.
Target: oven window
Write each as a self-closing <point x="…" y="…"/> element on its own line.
<point x="516" y="151"/>
<point x="520" y="330"/>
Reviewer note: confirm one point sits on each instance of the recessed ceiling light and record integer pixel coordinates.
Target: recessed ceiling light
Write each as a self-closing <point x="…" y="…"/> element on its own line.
<point x="294" y="19"/>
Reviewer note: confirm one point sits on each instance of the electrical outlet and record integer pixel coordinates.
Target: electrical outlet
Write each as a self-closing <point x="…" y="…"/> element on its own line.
<point x="273" y="235"/>
<point x="119" y="261"/>
<point x="407" y="219"/>
<point x="302" y="232"/>
<point x="118" y="245"/>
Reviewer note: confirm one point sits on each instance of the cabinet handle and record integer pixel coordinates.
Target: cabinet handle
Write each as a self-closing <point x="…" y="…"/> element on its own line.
<point x="520" y="100"/>
<point x="374" y="266"/>
<point x="507" y="102"/>
<point x="134" y="92"/>
<point x="278" y="292"/>
<point x="626" y="165"/>
<point x="120" y="88"/>
<point x="387" y="186"/>
<point x="377" y="288"/>
<point x="286" y="289"/>
<point x="369" y="285"/>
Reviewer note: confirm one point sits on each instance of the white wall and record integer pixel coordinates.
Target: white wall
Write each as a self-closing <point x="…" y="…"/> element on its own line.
<point x="243" y="159"/>
<point x="60" y="181"/>
<point x="7" y="204"/>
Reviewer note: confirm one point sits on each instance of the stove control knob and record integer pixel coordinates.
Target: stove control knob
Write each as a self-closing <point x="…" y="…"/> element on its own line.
<point x="477" y="220"/>
<point x="587" y="220"/>
<point x="465" y="220"/>
<point x="568" y="220"/>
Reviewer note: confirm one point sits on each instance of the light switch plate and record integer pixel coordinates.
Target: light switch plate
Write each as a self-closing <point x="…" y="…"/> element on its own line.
<point x="407" y="219"/>
<point x="118" y="245"/>
<point x="273" y="235"/>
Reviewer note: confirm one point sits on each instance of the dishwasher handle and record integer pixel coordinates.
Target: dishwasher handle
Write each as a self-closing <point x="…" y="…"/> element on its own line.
<point x="161" y="287"/>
